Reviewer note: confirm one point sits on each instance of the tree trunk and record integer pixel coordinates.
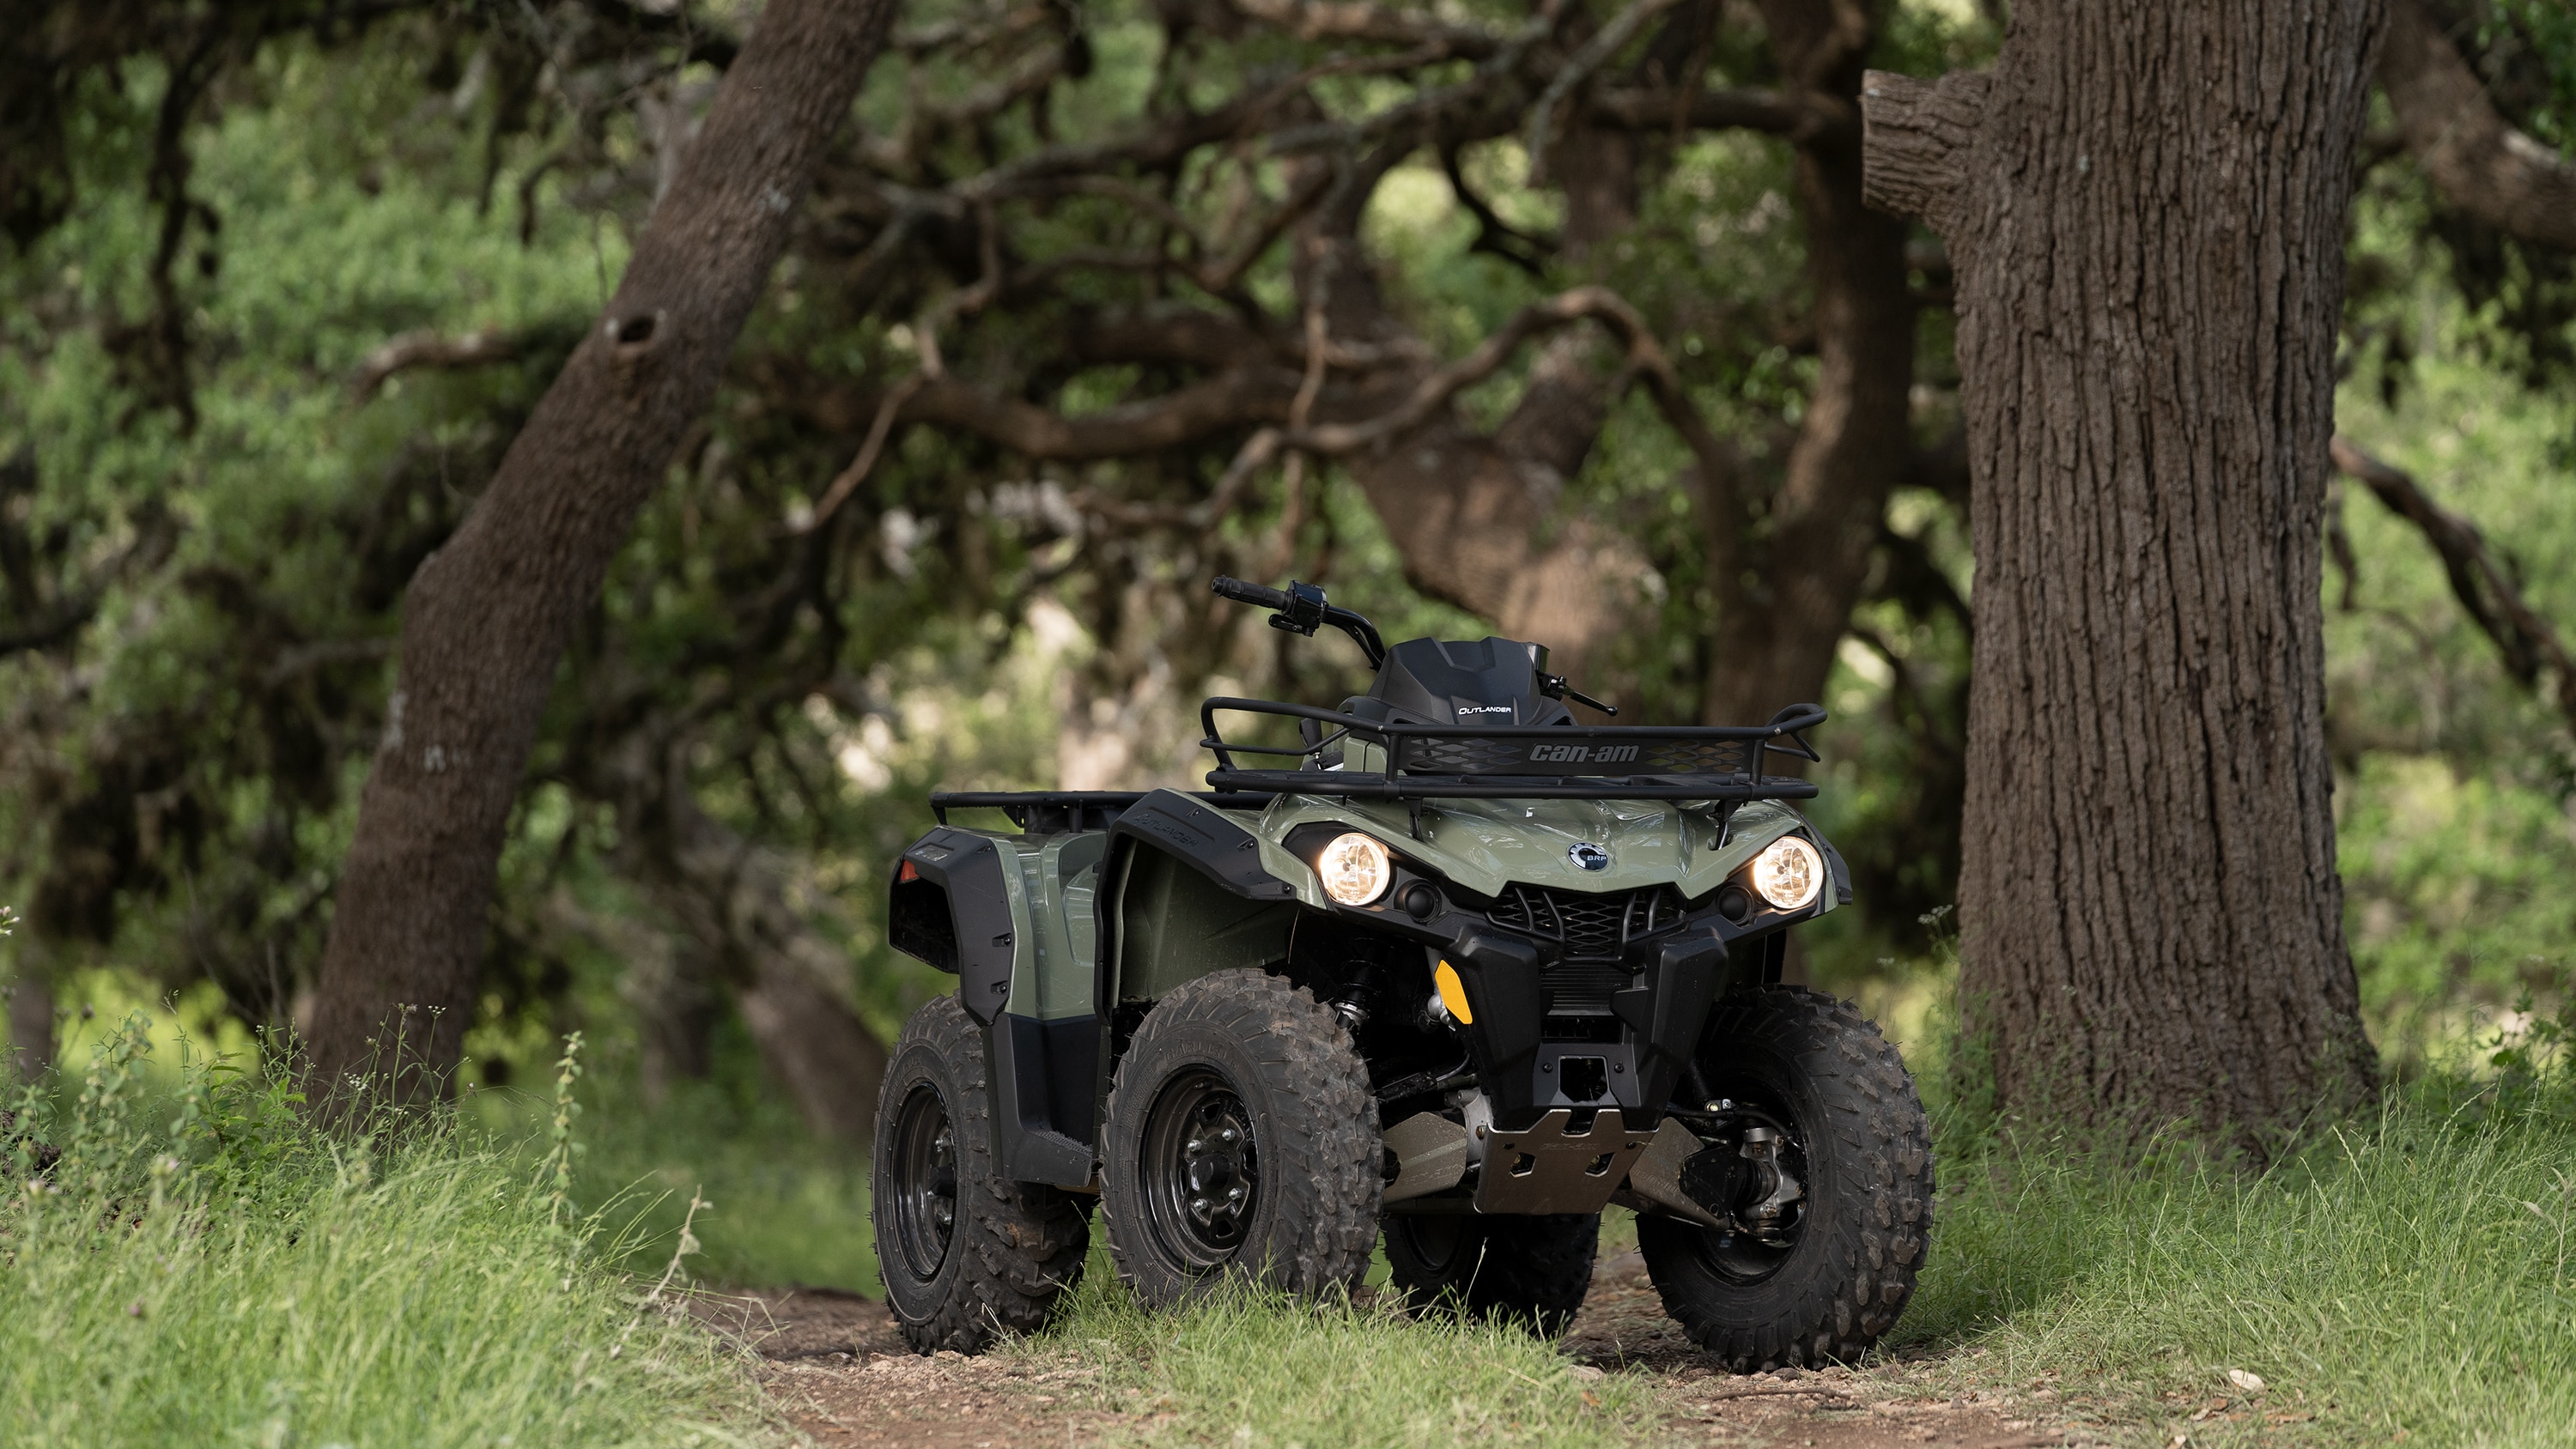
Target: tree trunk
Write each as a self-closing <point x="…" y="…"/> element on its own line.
<point x="1776" y="641"/>
<point x="487" y="617"/>
<point x="2145" y="208"/>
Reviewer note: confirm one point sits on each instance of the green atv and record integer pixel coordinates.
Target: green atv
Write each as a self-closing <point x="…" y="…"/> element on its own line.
<point x="1453" y="969"/>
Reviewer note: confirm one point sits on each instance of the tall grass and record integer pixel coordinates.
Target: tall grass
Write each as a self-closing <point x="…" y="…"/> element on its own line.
<point x="202" y="1266"/>
<point x="2413" y="1271"/>
<point x="1252" y="1369"/>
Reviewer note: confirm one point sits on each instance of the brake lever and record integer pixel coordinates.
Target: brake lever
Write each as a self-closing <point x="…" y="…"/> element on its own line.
<point x="1555" y="686"/>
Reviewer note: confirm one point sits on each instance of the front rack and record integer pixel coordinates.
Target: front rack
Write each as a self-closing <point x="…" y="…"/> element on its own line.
<point x="1052" y="812"/>
<point x="1522" y="762"/>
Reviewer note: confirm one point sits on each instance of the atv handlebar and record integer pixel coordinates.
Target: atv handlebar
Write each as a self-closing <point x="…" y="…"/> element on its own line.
<point x="1302" y="610"/>
<point x="1244" y="593"/>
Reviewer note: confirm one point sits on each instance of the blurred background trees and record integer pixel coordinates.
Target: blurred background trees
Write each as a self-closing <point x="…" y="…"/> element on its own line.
<point x="1560" y="321"/>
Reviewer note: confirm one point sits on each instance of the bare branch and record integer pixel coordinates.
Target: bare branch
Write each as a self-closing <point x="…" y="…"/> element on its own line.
<point x="1354" y="20"/>
<point x="1238" y="397"/>
<point x="1805" y="116"/>
<point x="969" y="33"/>
<point x="1917" y="141"/>
<point x="428" y="349"/>
<point x="855" y="474"/>
<point x="1596" y="53"/>
<point x="2528" y="642"/>
<point x="2478" y="160"/>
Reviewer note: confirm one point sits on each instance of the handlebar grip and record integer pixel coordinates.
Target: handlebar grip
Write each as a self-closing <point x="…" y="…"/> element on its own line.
<point x="1244" y="593"/>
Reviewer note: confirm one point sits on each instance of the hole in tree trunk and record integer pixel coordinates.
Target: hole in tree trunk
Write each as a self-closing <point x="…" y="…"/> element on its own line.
<point x="636" y="331"/>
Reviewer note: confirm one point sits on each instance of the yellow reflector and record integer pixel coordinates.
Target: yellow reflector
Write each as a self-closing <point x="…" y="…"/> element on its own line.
<point x="1453" y="993"/>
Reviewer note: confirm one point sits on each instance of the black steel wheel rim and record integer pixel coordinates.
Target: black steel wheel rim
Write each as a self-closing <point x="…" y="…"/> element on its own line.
<point x="1201" y="1169"/>
<point x="1746" y="1258"/>
<point x="925" y="1182"/>
<point x="1434" y="1239"/>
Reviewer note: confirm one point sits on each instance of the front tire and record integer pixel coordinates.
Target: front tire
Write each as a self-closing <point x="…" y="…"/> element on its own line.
<point x="1532" y="1271"/>
<point x="1832" y="1272"/>
<point x="966" y="1256"/>
<point x="1241" y="1142"/>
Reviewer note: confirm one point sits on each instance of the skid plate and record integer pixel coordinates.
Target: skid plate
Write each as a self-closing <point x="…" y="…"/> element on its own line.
<point x="1549" y="1168"/>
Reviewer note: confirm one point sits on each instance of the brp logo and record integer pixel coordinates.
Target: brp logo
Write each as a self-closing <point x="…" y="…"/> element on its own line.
<point x="1588" y="856"/>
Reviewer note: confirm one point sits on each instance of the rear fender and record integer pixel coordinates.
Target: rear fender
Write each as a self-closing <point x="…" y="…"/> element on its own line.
<point x="960" y="904"/>
<point x="952" y="904"/>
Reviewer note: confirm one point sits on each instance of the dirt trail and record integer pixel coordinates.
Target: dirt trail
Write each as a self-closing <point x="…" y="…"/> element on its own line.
<point x="839" y="1372"/>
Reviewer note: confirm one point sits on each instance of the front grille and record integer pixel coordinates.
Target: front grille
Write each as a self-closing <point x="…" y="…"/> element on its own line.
<point x="1591" y="927"/>
<point x="1594" y="930"/>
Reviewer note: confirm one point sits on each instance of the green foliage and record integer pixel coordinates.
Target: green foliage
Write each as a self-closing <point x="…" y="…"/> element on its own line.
<point x="202" y="1266"/>
<point x="783" y="1209"/>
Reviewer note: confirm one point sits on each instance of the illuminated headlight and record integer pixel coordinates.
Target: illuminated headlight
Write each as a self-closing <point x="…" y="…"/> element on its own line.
<point x="1788" y="873"/>
<point x="1355" y="869"/>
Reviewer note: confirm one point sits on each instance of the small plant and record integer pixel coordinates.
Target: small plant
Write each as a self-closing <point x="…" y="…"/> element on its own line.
<point x="564" y="1149"/>
<point x="2535" y="1053"/>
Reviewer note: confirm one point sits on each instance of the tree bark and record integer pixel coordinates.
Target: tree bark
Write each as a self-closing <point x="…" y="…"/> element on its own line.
<point x="2145" y="209"/>
<point x="1777" y="636"/>
<point x="487" y="617"/>
<point x="2476" y="159"/>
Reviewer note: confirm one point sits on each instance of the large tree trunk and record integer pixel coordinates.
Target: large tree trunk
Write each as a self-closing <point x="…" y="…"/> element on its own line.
<point x="487" y="617"/>
<point x="2145" y="208"/>
<point x="1776" y="643"/>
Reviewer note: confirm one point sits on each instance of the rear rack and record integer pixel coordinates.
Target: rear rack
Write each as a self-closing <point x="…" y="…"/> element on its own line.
<point x="1053" y="812"/>
<point x="1523" y="762"/>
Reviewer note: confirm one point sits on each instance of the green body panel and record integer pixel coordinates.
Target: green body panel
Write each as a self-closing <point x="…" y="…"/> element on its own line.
<point x="1484" y="845"/>
<point x="1177" y="925"/>
<point x="1066" y="990"/>
<point x="1052" y="938"/>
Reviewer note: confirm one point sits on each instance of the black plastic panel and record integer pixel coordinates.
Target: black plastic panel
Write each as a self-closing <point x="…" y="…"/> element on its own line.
<point x="1212" y="845"/>
<point x="1027" y="1143"/>
<point x="969" y="869"/>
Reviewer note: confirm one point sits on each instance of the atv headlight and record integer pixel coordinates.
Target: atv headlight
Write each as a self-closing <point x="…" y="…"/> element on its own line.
<point x="1788" y="873"/>
<point x="1355" y="869"/>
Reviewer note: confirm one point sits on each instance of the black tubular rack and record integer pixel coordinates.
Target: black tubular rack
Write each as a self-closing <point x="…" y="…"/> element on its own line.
<point x="1522" y="762"/>
<point x="1051" y="812"/>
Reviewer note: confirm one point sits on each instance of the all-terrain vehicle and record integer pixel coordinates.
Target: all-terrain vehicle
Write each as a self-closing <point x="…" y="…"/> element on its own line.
<point x="1443" y="965"/>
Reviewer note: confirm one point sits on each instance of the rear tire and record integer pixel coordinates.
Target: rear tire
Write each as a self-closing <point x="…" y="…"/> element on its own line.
<point x="1532" y="1271"/>
<point x="1857" y="1135"/>
<point x="1241" y="1143"/>
<point x="966" y="1256"/>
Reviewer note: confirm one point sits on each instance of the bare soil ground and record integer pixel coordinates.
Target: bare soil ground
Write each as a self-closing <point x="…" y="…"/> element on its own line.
<point x="837" y="1370"/>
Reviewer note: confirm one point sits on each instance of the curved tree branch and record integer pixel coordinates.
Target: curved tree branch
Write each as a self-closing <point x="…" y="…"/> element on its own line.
<point x="2476" y="159"/>
<point x="2486" y="589"/>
